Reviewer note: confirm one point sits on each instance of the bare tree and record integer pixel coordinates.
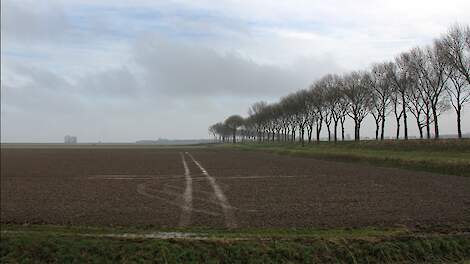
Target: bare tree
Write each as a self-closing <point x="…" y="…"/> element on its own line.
<point x="300" y="101"/>
<point x="423" y="82"/>
<point x="213" y="132"/>
<point x="455" y="50"/>
<point x="400" y="76"/>
<point x="416" y="106"/>
<point x="381" y="95"/>
<point x="316" y="107"/>
<point x="220" y="130"/>
<point x="343" y="107"/>
<point x="285" y="118"/>
<point x="324" y="91"/>
<point x="455" y="47"/>
<point x="290" y="106"/>
<point x="234" y="122"/>
<point x="357" y="90"/>
<point x="255" y="114"/>
<point x="459" y="94"/>
<point x="433" y="69"/>
<point x="334" y="98"/>
<point x="420" y="90"/>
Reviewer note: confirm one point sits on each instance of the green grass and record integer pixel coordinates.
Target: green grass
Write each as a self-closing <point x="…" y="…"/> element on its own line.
<point x="211" y="233"/>
<point x="60" y="244"/>
<point x="442" y="156"/>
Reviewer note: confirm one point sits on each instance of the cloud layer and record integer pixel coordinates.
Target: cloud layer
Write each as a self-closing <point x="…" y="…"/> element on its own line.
<point x="128" y="70"/>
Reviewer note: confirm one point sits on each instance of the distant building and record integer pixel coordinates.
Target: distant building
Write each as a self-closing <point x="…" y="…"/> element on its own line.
<point x="70" y="139"/>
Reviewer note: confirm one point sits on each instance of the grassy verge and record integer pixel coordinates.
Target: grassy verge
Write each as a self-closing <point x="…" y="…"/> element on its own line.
<point x="443" y="156"/>
<point x="84" y="244"/>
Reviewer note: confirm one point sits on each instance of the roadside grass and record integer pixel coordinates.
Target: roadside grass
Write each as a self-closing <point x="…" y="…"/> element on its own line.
<point x="209" y="233"/>
<point x="59" y="244"/>
<point x="439" y="156"/>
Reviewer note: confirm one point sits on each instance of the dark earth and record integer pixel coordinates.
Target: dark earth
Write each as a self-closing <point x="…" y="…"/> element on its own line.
<point x="146" y="187"/>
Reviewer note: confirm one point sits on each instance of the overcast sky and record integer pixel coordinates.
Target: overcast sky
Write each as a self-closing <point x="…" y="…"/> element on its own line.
<point x="121" y="71"/>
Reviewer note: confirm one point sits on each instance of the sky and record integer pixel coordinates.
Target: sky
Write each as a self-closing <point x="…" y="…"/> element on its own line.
<point x="123" y="70"/>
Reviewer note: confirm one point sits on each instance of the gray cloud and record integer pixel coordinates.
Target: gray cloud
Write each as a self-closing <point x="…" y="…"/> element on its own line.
<point x="111" y="83"/>
<point x="37" y="91"/>
<point x="174" y="68"/>
<point x="26" y="22"/>
<point x="102" y="72"/>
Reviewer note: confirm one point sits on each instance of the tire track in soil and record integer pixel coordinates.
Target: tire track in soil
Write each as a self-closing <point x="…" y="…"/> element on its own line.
<point x="227" y="209"/>
<point x="142" y="189"/>
<point x="185" y="217"/>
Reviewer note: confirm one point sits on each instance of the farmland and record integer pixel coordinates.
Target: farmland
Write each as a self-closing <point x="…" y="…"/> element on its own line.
<point x="225" y="192"/>
<point x="443" y="156"/>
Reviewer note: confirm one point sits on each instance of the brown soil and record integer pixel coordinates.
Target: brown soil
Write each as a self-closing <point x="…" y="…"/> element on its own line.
<point x="145" y="187"/>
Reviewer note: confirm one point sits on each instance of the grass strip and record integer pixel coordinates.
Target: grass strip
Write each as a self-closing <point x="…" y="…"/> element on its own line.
<point x="57" y="245"/>
<point x="438" y="157"/>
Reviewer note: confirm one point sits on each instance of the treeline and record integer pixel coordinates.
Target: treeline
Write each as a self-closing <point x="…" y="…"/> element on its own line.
<point x="416" y="87"/>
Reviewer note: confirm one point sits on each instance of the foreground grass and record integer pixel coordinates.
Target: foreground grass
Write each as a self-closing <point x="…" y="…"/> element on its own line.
<point x="84" y="244"/>
<point x="441" y="156"/>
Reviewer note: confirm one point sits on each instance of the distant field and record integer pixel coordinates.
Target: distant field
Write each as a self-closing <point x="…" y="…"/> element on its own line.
<point x="441" y="156"/>
<point x="217" y="204"/>
<point x="94" y="146"/>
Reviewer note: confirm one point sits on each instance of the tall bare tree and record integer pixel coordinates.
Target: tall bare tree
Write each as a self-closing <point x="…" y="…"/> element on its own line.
<point x="381" y="95"/>
<point x="357" y="90"/>
<point x="316" y="107"/>
<point x="458" y="91"/>
<point x="423" y="82"/>
<point x="234" y="122"/>
<point x="334" y="100"/>
<point x="433" y="69"/>
<point x="400" y="76"/>
<point x="455" y="47"/>
<point x="420" y="91"/>
<point x="455" y="50"/>
<point x="255" y="114"/>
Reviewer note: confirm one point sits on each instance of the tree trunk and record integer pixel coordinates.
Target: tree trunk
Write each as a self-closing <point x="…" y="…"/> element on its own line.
<point x="377" y="128"/>
<point x="405" y="121"/>
<point x="436" y="123"/>
<point x="342" y="128"/>
<point x="309" y="133"/>
<point x="398" y="129"/>
<point x="336" y="130"/>
<point x="355" y="130"/>
<point x="428" y="123"/>
<point x="459" y="127"/>
<point x="318" y="131"/>
<point x="382" y="133"/>
<point x="329" y="131"/>
<point x="358" y="131"/>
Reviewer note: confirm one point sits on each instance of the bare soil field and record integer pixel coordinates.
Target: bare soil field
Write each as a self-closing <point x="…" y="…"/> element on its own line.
<point x="206" y="187"/>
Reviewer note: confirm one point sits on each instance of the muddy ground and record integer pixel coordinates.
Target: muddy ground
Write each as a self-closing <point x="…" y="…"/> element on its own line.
<point x="220" y="188"/>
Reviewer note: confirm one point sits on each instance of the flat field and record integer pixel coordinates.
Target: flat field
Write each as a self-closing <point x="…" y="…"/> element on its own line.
<point x="197" y="204"/>
<point x="220" y="188"/>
